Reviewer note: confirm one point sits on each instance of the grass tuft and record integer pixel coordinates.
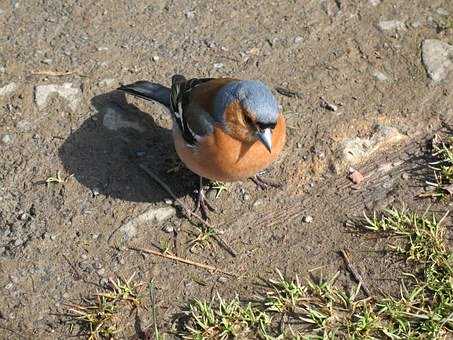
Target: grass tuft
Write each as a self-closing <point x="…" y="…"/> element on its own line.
<point x="442" y="152"/>
<point x="101" y="316"/>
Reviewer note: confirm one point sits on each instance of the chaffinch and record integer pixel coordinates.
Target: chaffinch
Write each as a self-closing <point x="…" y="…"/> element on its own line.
<point x="224" y="129"/>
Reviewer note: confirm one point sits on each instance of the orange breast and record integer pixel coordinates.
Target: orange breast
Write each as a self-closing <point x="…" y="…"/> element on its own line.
<point x="223" y="158"/>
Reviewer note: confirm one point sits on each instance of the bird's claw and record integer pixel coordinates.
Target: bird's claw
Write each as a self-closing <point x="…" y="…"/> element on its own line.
<point x="203" y="205"/>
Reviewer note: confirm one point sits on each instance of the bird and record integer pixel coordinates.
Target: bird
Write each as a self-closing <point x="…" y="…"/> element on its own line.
<point x="224" y="129"/>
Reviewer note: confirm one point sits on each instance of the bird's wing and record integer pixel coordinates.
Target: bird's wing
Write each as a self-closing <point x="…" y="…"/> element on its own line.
<point x="192" y="119"/>
<point x="149" y="91"/>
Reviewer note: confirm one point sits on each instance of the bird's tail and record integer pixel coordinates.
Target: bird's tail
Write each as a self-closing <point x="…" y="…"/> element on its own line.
<point x="149" y="91"/>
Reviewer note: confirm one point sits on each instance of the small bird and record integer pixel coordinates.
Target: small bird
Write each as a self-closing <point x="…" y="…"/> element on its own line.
<point x="224" y="129"/>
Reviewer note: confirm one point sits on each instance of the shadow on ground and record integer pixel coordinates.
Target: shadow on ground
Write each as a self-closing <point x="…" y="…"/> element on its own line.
<point x="105" y="152"/>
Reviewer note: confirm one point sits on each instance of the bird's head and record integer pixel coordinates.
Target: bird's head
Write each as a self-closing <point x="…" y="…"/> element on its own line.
<point x="248" y="110"/>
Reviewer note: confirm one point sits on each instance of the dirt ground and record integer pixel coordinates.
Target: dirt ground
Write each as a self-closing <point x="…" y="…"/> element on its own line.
<point x="60" y="241"/>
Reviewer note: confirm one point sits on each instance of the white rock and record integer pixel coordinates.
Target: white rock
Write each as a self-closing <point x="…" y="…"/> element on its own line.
<point x="374" y="2"/>
<point x="380" y="76"/>
<point x="152" y="215"/>
<point x="218" y="65"/>
<point x="72" y="94"/>
<point x="8" y="89"/>
<point x="298" y="39"/>
<point x="190" y="14"/>
<point x="107" y="82"/>
<point x="156" y="58"/>
<point x="113" y="120"/>
<point x="391" y="25"/>
<point x="103" y="48"/>
<point x="442" y="11"/>
<point x="437" y="57"/>
<point x="357" y="150"/>
<point x="24" y="126"/>
<point x="7" y="139"/>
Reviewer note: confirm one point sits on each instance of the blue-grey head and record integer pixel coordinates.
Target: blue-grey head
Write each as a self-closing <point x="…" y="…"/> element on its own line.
<point x="248" y="109"/>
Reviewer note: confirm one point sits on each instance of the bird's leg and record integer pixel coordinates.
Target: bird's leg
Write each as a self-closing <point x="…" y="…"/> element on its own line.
<point x="264" y="183"/>
<point x="203" y="204"/>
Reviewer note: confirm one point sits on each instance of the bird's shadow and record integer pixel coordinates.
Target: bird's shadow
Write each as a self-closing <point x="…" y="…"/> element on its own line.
<point x="105" y="152"/>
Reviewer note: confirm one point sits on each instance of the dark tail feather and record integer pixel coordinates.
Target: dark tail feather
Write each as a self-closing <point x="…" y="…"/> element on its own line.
<point x="148" y="91"/>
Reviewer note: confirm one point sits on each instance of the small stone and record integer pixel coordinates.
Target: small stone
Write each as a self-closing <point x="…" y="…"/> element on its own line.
<point x="190" y="14"/>
<point x="218" y="65"/>
<point x="222" y="279"/>
<point x="17" y="242"/>
<point x="104" y="282"/>
<point x="374" y="2"/>
<point x="247" y="197"/>
<point x="437" y="57"/>
<point x="47" y="61"/>
<point x="152" y="215"/>
<point x="24" y="126"/>
<point x="7" y="139"/>
<point x="100" y="272"/>
<point x="416" y="24"/>
<point x="390" y="25"/>
<point x="405" y="176"/>
<point x="168" y="201"/>
<point x="53" y="237"/>
<point x="66" y="296"/>
<point x="9" y="286"/>
<point x="107" y="82"/>
<point x="355" y="176"/>
<point x="258" y="203"/>
<point x="114" y="120"/>
<point x="308" y="219"/>
<point x="102" y="48"/>
<point x="23" y="216"/>
<point x="299" y="145"/>
<point x="67" y="90"/>
<point x="7" y="89"/>
<point x="380" y="76"/>
<point x="442" y="11"/>
<point x="328" y="105"/>
<point x="2" y="69"/>
<point x="156" y="58"/>
<point x="168" y="229"/>
<point x="298" y="39"/>
<point x="95" y="191"/>
<point x="84" y="256"/>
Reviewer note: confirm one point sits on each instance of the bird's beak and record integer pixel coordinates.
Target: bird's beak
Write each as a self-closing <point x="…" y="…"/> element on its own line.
<point x="265" y="137"/>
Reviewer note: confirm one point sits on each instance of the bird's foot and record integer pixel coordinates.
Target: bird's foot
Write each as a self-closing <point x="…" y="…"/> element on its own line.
<point x="203" y="205"/>
<point x="264" y="183"/>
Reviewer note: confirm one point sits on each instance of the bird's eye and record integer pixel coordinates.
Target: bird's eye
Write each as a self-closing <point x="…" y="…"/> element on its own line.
<point x="264" y="126"/>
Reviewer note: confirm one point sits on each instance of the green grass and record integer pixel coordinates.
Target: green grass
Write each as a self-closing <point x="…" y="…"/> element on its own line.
<point x="318" y="309"/>
<point x="103" y="315"/>
<point x="442" y="166"/>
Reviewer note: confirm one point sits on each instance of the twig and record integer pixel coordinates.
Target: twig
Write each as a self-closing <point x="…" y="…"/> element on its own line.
<point x="180" y="259"/>
<point x="52" y="73"/>
<point x="354" y="272"/>
<point x="288" y="92"/>
<point x="187" y="210"/>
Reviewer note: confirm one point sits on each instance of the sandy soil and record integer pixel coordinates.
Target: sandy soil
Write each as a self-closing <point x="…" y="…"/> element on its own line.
<point x="59" y="241"/>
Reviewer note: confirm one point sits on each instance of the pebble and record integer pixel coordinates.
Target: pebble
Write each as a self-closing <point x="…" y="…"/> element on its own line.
<point x="437" y="56"/>
<point x="7" y="139"/>
<point x="47" y="61"/>
<point x="68" y="91"/>
<point x="222" y="279"/>
<point x="107" y="82"/>
<point x="66" y="296"/>
<point x="298" y="39"/>
<point x="190" y="14"/>
<point x="405" y="176"/>
<point x="168" y="229"/>
<point x="257" y="203"/>
<point x="24" y="126"/>
<point x="389" y="25"/>
<point x="328" y="105"/>
<point x="442" y="11"/>
<point x="102" y="48"/>
<point x="308" y="219"/>
<point x="113" y="119"/>
<point x="218" y="65"/>
<point x="168" y="201"/>
<point x="152" y="215"/>
<point x="380" y="76"/>
<point x="7" y="89"/>
<point x="374" y="2"/>
<point x="100" y="272"/>
<point x="247" y="197"/>
<point x="156" y="58"/>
